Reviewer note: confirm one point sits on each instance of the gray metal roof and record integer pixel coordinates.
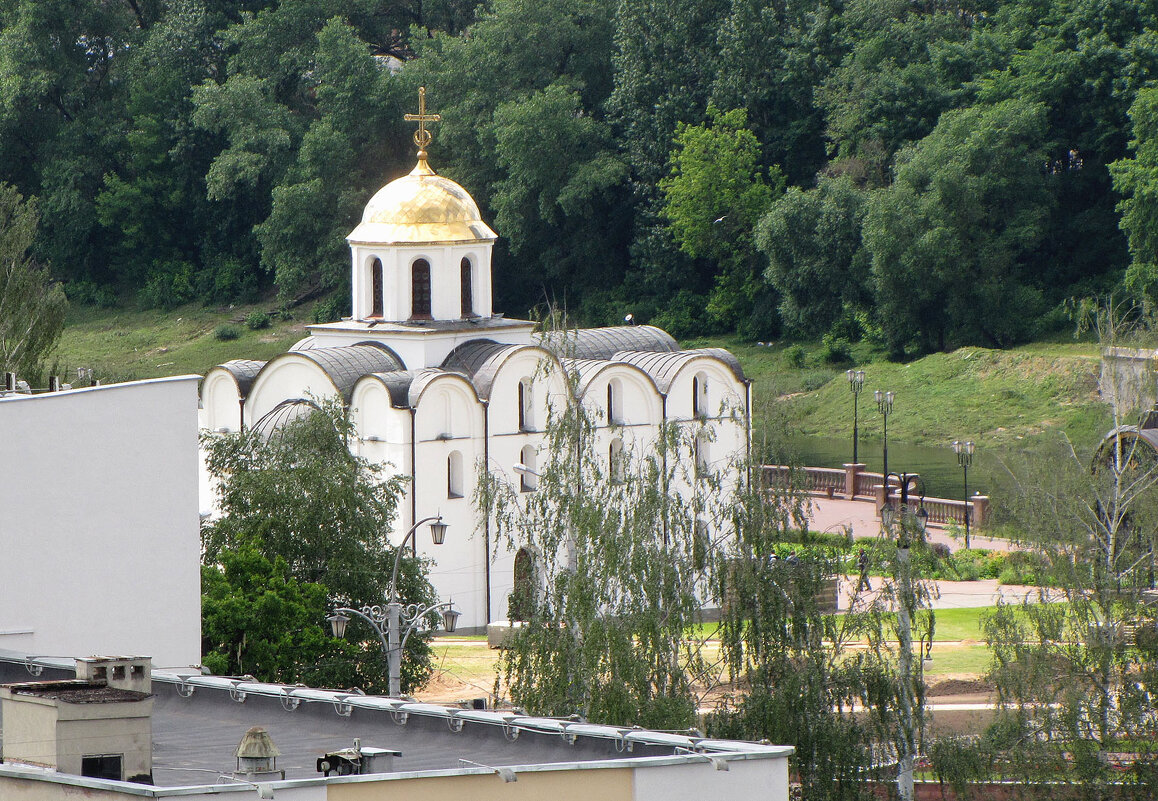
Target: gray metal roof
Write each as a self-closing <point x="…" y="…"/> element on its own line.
<point x="726" y="357"/>
<point x="345" y="365"/>
<point x="244" y="371"/>
<point x="663" y="367"/>
<point x="198" y="722"/>
<point x="603" y="343"/>
<point x="397" y="384"/>
<point x="480" y="360"/>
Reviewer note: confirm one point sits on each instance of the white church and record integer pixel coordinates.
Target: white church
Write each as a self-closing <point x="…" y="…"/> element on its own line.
<point x="439" y="386"/>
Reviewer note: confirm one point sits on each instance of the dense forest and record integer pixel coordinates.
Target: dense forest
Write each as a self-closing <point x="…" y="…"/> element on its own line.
<point x="924" y="173"/>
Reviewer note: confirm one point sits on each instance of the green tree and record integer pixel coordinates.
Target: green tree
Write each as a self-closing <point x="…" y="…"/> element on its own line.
<point x="905" y="64"/>
<point x="621" y="559"/>
<point x="952" y="236"/>
<point x="816" y="259"/>
<point x="1073" y="678"/>
<point x="713" y="197"/>
<point x="524" y="129"/>
<point x="1136" y="179"/>
<point x="772" y="57"/>
<point x="318" y="516"/>
<point x="32" y="306"/>
<point x="257" y="619"/>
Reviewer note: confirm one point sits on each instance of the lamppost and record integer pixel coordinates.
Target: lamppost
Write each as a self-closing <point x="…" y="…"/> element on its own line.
<point x="856" y="384"/>
<point x="885" y="407"/>
<point x="964" y="451"/>
<point x="395" y="615"/>
<point x="904" y="519"/>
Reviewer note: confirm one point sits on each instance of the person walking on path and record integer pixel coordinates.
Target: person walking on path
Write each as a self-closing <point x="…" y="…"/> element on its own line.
<point x="862" y="562"/>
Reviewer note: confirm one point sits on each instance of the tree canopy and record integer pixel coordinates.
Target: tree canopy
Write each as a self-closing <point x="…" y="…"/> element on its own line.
<point x="302" y="527"/>
<point x="214" y="149"/>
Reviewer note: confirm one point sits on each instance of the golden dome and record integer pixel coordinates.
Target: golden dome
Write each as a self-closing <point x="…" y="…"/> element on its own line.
<point x="422" y="207"/>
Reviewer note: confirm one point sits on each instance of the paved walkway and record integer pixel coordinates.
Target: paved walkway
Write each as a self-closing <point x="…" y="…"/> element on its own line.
<point x="951" y="594"/>
<point x="836" y="514"/>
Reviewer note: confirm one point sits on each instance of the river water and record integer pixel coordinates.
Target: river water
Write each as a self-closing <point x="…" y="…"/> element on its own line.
<point x="938" y="466"/>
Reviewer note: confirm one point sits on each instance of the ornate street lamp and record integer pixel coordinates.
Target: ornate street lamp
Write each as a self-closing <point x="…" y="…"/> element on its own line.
<point x="964" y="451"/>
<point x="388" y="621"/>
<point x="885" y="407"/>
<point x="856" y="384"/>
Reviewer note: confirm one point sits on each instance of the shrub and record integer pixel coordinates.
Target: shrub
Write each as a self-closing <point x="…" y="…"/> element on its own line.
<point x="330" y="309"/>
<point x="257" y="320"/>
<point x="835" y="350"/>
<point x="794" y="356"/>
<point x="226" y="332"/>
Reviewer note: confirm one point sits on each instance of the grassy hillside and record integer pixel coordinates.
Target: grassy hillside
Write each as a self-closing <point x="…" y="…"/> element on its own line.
<point x="994" y="397"/>
<point x="124" y="344"/>
<point x="991" y="396"/>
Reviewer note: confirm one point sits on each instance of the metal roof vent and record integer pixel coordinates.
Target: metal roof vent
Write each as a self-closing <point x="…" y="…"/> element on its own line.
<point x="257" y="756"/>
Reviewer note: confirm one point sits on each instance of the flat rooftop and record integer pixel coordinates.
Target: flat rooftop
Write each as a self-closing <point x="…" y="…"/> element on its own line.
<point x="198" y="722"/>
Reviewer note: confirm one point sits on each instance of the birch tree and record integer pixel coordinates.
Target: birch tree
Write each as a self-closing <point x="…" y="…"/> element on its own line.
<point x="32" y="307"/>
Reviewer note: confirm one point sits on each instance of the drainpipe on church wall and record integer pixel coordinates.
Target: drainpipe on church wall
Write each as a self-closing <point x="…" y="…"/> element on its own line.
<point x="662" y="423"/>
<point x="487" y="522"/>
<point x="413" y="474"/>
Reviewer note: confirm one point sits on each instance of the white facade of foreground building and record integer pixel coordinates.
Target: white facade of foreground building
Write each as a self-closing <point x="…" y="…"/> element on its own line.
<point x="99" y="527"/>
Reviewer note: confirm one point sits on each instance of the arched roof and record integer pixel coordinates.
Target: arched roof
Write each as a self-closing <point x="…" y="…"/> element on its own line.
<point x="345" y="365"/>
<point x="397" y="384"/>
<point x="726" y="357"/>
<point x="480" y="360"/>
<point x="604" y="343"/>
<point x="244" y="371"/>
<point x="405" y="387"/>
<point x="586" y="370"/>
<point x="309" y="343"/>
<point x="663" y="367"/>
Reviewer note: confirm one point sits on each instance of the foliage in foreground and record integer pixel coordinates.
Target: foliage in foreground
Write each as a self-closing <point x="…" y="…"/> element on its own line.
<point x="629" y="551"/>
<point x="32" y="307"/>
<point x="1074" y="681"/>
<point x="302" y="529"/>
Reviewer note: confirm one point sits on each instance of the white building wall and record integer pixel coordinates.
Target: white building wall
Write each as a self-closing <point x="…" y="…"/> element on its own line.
<point x="99" y="530"/>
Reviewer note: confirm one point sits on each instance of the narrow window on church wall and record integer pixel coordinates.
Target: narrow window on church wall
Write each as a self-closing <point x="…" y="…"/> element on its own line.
<point x="700" y="395"/>
<point x="526" y="406"/>
<point x="454" y="475"/>
<point x="467" y="288"/>
<point x="376" y="288"/>
<point x="420" y="290"/>
<point x="614" y="402"/>
<point x="528" y="481"/>
<point x="701" y="455"/>
<point x="615" y="466"/>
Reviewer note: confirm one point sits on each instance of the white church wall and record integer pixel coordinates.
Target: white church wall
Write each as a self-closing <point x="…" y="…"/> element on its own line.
<point x="287" y="376"/>
<point x="449" y="420"/>
<point x="220" y="401"/>
<point x="99" y="524"/>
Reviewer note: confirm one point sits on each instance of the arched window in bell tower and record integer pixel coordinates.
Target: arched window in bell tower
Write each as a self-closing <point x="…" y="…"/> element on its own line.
<point x="420" y="290"/>
<point x="467" y="288"/>
<point x="376" y="288"/>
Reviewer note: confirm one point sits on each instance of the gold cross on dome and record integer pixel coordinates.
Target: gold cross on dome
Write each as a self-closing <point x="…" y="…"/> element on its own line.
<point x="422" y="136"/>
